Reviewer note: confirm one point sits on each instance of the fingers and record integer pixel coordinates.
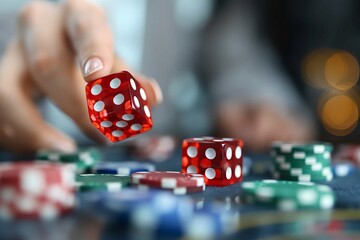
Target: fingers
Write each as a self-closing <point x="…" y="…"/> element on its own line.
<point x="22" y="128"/>
<point x="91" y="37"/>
<point x="51" y="62"/>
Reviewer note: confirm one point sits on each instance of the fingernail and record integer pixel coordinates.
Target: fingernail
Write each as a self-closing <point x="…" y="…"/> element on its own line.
<point x="92" y="65"/>
<point x="64" y="147"/>
<point x="157" y="91"/>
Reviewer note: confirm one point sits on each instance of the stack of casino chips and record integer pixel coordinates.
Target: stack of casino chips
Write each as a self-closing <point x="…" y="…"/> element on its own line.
<point x="82" y="160"/>
<point x="302" y="162"/>
<point x="35" y="190"/>
<point x="177" y="182"/>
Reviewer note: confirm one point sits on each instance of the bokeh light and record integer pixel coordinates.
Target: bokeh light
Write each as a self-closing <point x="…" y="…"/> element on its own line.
<point x="342" y="71"/>
<point x="313" y="68"/>
<point x="339" y="113"/>
<point x="329" y="68"/>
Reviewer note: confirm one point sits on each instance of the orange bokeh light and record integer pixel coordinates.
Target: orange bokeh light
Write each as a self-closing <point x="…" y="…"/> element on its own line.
<point x="340" y="114"/>
<point x="313" y="68"/>
<point x="342" y="71"/>
<point x="329" y="68"/>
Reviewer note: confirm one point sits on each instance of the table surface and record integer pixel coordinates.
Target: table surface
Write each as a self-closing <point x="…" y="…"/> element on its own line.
<point x="256" y="222"/>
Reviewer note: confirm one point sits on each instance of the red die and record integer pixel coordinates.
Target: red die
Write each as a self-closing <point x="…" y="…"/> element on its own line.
<point x="117" y="106"/>
<point x="218" y="159"/>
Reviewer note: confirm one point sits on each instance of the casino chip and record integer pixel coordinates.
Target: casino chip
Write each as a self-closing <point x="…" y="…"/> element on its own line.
<point x="83" y="160"/>
<point x="177" y="190"/>
<point x="179" y="183"/>
<point x="123" y="168"/>
<point x="35" y="190"/>
<point x="343" y="169"/>
<point x="314" y="148"/>
<point x="174" y="217"/>
<point x="348" y="153"/>
<point x="114" y="206"/>
<point x="288" y="195"/>
<point x="247" y="165"/>
<point x="164" y="215"/>
<point x="218" y="219"/>
<point x="104" y="182"/>
<point x="302" y="162"/>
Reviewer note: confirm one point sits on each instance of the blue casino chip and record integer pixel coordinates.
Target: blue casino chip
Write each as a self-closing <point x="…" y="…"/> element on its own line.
<point x="115" y="206"/>
<point x="177" y="217"/>
<point x="343" y="169"/>
<point x="165" y="215"/>
<point x="218" y="219"/>
<point x="247" y="165"/>
<point x="123" y="168"/>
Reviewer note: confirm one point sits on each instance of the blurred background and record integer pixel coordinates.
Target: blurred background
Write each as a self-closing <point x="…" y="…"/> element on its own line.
<point x="297" y="57"/>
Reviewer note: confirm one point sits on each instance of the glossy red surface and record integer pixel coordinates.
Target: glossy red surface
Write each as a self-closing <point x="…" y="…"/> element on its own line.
<point x="220" y="160"/>
<point x="118" y="107"/>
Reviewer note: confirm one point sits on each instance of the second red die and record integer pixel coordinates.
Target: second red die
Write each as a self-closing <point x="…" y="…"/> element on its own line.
<point x="218" y="159"/>
<point x="118" y="107"/>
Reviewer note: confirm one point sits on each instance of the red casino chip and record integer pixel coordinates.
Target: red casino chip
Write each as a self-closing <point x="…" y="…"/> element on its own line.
<point x="168" y="179"/>
<point x="348" y="153"/>
<point x="35" y="190"/>
<point x="25" y="207"/>
<point x="176" y="190"/>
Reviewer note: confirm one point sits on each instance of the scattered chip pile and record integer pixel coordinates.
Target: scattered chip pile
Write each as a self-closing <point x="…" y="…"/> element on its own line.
<point x="101" y="182"/>
<point x="83" y="160"/>
<point x="302" y="162"/>
<point x="130" y="192"/>
<point x="178" y="183"/>
<point x="288" y="195"/>
<point x="35" y="190"/>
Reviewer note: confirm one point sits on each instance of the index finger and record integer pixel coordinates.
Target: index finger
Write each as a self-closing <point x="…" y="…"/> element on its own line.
<point x="91" y="38"/>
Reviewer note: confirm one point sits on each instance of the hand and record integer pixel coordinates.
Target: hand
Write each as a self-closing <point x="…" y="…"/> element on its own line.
<point x="57" y="46"/>
<point x="260" y="125"/>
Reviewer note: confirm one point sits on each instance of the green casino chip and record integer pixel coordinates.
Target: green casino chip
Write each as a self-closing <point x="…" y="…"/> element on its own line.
<point x="288" y="195"/>
<point x="315" y="169"/>
<point x="313" y="164"/>
<point x="83" y="159"/>
<point x="86" y="155"/>
<point x="107" y="182"/>
<point x="302" y="177"/>
<point x="301" y="157"/>
<point x="313" y="148"/>
<point x="108" y="187"/>
<point x="102" y="178"/>
<point x="303" y="174"/>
